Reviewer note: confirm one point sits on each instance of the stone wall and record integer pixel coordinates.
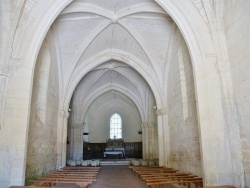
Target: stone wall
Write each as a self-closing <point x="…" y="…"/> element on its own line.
<point x="183" y="126"/>
<point x="100" y="122"/>
<point x="237" y="29"/>
<point x="41" y="152"/>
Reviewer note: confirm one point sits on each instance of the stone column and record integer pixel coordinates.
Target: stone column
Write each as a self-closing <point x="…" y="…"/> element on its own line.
<point x="3" y="83"/>
<point x="146" y="131"/>
<point x="151" y="139"/>
<point x="148" y="140"/>
<point x="156" y="146"/>
<point x="62" y="138"/>
<point x="77" y="141"/>
<point x="163" y="136"/>
<point x="143" y="140"/>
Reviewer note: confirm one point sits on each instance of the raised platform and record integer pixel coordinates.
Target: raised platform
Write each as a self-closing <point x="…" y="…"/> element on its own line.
<point x="115" y="162"/>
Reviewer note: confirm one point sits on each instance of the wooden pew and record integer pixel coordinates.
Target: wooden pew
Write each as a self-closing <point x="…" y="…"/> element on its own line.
<point x="25" y="187"/>
<point x="172" y="178"/>
<point x="49" y="183"/>
<point x="157" y="177"/>
<point x="157" y="171"/>
<point x="68" y="178"/>
<point x="187" y="182"/>
<point x="81" y="176"/>
<point x="69" y="175"/>
<point x="75" y="172"/>
<point x="221" y="186"/>
<point x="147" y="170"/>
<point x="166" y="175"/>
<point x="81" y="167"/>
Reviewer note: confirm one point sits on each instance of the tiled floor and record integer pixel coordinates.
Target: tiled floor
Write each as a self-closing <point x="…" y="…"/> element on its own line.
<point x="117" y="177"/>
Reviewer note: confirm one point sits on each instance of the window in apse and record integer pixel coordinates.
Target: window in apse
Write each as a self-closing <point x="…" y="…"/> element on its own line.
<point x="115" y="126"/>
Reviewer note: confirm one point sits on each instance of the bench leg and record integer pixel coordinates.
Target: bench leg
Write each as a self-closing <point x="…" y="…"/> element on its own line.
<point x="198" y="185"/>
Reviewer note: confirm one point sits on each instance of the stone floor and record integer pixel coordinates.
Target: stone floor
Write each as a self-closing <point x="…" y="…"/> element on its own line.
<point x="117" y="177"/>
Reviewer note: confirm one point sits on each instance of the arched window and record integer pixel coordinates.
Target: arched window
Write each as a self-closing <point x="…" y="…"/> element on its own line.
<point x="115" y="126"/>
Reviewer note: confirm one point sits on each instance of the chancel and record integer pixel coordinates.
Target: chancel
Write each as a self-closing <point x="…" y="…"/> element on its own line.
<point x="114" y="146"/>
<point x="99" y="85"/>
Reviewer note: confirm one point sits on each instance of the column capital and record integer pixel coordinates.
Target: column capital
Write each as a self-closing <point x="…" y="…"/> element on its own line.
<point x="77" y="125"/>
<point x="8" y="69"/>
<point x="147" y="124"/>
<point x="143" y="125"/>
<point x="151" y="124"/>
<point x="162" y="111"/>
<point x="5" y="70"/>
<point x="63" y="113"/>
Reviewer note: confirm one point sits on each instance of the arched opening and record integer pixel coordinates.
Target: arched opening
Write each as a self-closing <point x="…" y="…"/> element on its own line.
<point x="115" y="131"/>
<point x="84" y="69"/>
<point x="110" y="88"/>
<point x="203" y="55"/>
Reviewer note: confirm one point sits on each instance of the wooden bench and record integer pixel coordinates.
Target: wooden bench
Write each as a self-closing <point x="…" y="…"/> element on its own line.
<point x="25" y="187"/>
<point x="81" y="176"/>
<point x="183" y="179"/>
<point x="75" y="172"/>
<point x="148" y="172"/>
<point x="81" y="168"/>
<point x="49" y="183"/>
<point x="156" y="177"/>
<point x="70" y="175"/>
<point x="67" y="178"/>
<point x="148" y="177"/>
<point x="187" y="182"/>
<point x="221" y="186"/>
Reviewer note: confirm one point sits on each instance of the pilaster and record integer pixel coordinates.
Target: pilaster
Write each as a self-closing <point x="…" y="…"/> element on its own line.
<point x="4" y="76"/>
<point x="148" y="140"/>
<point x="143" y="125"/>
<point x="163" y="136"/>
<point x="151" y="139"/>
<point x="62" y="138"/>
<point x="76" y="141"/>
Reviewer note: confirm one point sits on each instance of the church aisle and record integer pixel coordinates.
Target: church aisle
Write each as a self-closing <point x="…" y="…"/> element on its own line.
<point x="117" y="176"/>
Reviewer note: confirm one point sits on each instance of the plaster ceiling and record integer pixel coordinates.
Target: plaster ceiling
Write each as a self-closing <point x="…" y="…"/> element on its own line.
<point x="131" y="37"/>
<point x="109" y="82"/>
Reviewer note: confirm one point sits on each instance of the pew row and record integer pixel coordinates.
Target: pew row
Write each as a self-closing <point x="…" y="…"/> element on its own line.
<point x="157" y="177"/>
<point x="81" y="176"/>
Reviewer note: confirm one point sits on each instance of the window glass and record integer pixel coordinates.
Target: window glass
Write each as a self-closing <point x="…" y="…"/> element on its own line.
<point x="115" y="126"/>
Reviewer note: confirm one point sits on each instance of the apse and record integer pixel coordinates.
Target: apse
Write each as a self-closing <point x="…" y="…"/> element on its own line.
<point x="111" y="88"/>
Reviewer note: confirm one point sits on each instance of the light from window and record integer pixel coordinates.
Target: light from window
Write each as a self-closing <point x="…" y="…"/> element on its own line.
<point x="115" y="126"/>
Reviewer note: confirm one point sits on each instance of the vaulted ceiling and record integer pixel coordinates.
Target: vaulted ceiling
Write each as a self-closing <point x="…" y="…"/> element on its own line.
<point x="131" y="37"/>
<point x="111" y="82"/>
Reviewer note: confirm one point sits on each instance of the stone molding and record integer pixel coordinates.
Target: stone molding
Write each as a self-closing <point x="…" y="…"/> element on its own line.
<point x="147" y="124"/>
<point x="63" y="114"/>
<point x="5" y="70"/>
<point x="3" y="85"/>
<point x="162" y="111"/>
<point x="76" y="125"/>
<point x="151" y="124"/>
<point x="143" y="125"/>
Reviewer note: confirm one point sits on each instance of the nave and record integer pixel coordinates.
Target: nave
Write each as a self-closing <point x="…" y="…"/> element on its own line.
<point x="113" y="176"/>
<point x="170" y="78"/>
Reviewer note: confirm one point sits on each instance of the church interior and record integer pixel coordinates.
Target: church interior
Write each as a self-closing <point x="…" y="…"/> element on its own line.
<point x="127" y="82"/>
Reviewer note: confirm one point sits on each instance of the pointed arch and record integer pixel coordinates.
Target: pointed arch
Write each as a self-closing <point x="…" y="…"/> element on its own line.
<point x="115" y="126"/>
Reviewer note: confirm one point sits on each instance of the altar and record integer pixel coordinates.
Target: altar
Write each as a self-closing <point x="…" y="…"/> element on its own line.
<point x="114" y="151"/>
<point x="114" y="147"/>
